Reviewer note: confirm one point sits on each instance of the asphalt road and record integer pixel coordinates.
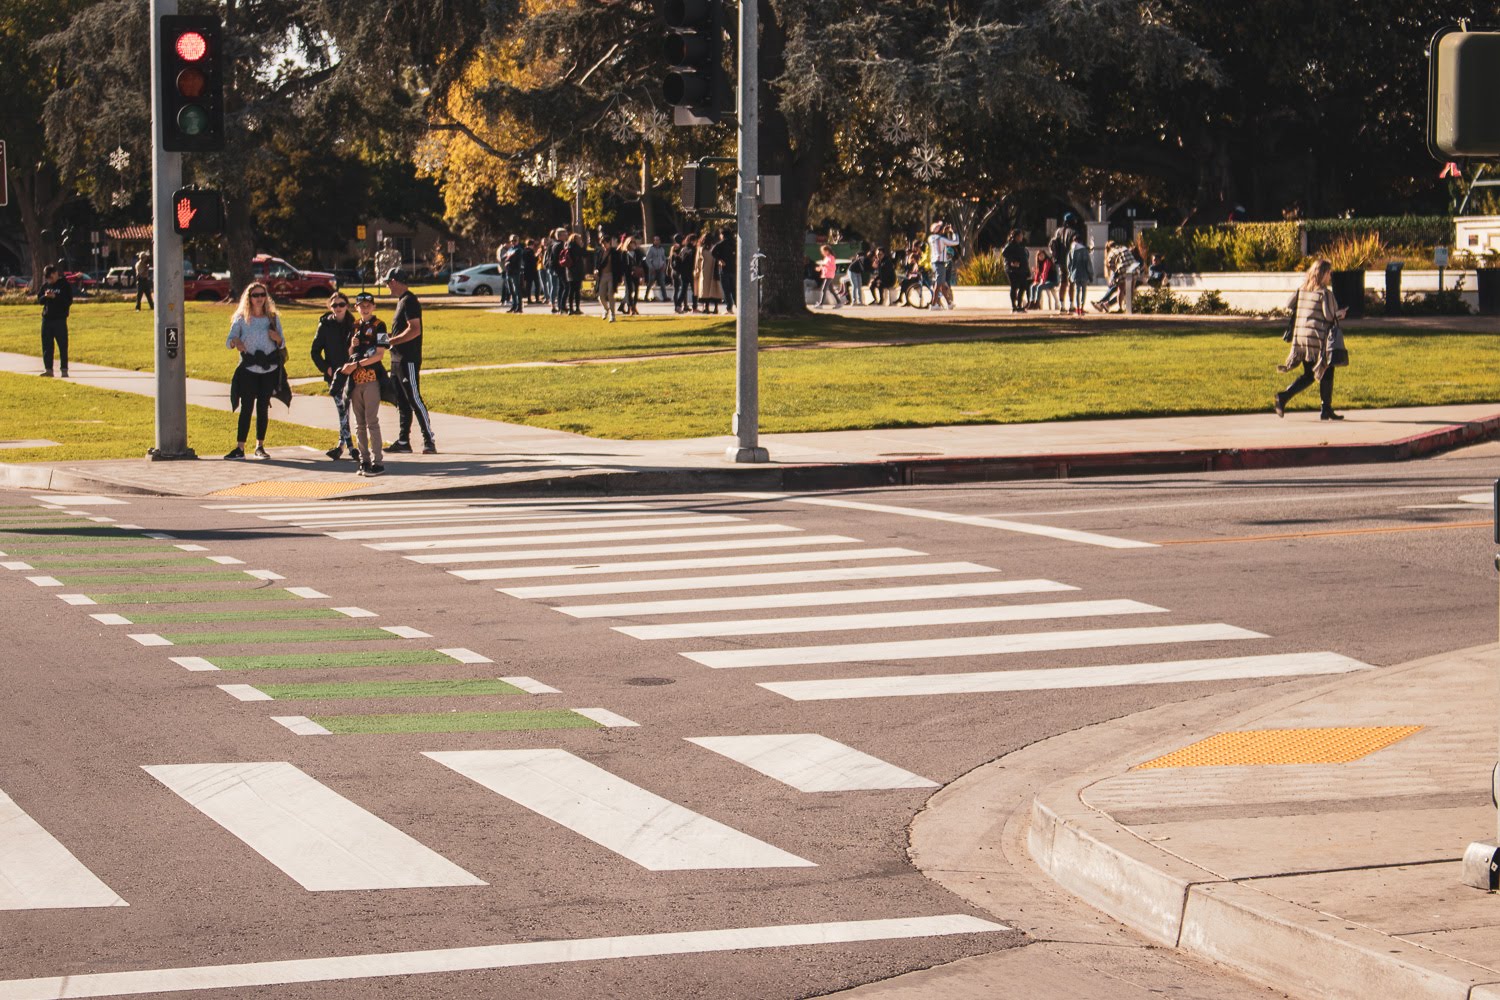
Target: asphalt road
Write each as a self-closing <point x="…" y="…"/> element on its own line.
<point x="568" y="854"/>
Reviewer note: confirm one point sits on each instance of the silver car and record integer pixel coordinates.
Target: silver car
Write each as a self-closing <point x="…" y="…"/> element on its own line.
<point x="482" y="280"/>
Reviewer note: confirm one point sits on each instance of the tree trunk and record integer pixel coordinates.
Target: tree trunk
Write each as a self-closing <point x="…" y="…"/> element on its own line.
<point x="239" y="242"/>
<point x="783" y="234"/>
<point x="37" y="199"/>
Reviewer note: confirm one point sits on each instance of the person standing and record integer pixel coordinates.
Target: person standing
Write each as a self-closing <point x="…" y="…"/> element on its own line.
<point x="330" y="352"/>
<point x="687" y="258"/>
<point x="609" y="266"/>
<point x="575" y="257"/>
<point x="941" y="241"/>
<point x="1316" y="336"/>
<point x="1017" y="270"/>
<point x="726" y="256"/>
<point x="858" y="266"/>
<point x="143" y="280"/>
<point x="656" y="268"/>
<point x="1059" y="247"/>
<point x="56" y="298"/>
<point x="705" y="275"/>
<point x="406" y="358"/>
<point x="635" y="273"/>
<point x="828" y="273"/>
<point x="1080" y="272"/>
<point x="256" y="333"/>
<point x="512" y="269"/>
<point x="365" y="374"/>
<point x="554" y="275"/>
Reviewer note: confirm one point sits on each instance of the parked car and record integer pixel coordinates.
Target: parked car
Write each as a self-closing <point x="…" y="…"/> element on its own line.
<point x="481" y="280"/>
<point x="15" y="281"/>
<point x="287" y="282"/>
<point x="119" y="277"/>
<point x="81" y="281"/>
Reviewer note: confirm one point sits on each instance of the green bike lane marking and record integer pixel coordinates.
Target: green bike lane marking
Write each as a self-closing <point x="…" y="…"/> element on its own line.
<point x="64" y="534"/>
<point x="207" y="576"/>
<point x="254" y="593"/>
<point x="375" y="689"/>
<point x="117" y="563"/>
<point x="197" y="617"/>
<point x="317" y="661"/>
<point x="271" y="636"/>
<point x="439" y="722"/>
<point x="105" y="546"/>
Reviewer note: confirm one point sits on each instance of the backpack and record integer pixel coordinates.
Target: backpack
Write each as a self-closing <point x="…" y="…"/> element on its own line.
<point x="553" y="256"/>
<point x="1058" y="248"/>
<point x="565" y="256"/>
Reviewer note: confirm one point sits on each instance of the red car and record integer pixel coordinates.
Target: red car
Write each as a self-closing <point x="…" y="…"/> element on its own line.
<point x="286" y="282"/>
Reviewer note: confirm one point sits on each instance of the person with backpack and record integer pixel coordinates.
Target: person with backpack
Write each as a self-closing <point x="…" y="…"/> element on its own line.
<point x="575" y="262"/>
<point x="556" y="272"/>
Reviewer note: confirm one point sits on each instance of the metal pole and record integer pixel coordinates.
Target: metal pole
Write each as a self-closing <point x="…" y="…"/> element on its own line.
<point x="166" y="249"/>
<point x="747" y="220"/>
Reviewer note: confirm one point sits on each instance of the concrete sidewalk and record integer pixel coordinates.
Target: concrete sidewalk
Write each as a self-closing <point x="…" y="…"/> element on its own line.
<point x="485" y="455"/>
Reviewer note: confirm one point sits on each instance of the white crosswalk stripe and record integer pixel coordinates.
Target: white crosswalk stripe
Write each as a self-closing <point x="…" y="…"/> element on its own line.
<point x="812" y="763"/>
<point x="659" y="565"/>
<point x="583" y="536"/>
<point x="320" y="839"/>
<point x="987" y="645"/>
<point x="750" y="580"/>
<point x="38" y="873"/>
<point x="636" y="824"/>
<point x="663" y="548"/>
<point x="813" y="598"/>
<point x="519" y="526"/>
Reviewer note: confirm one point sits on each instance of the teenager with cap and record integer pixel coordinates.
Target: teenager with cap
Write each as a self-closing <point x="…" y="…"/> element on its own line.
<point x="406" y="359"/>
<point x="365" y="373"/>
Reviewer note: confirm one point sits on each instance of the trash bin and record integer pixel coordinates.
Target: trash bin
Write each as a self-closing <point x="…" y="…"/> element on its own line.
<point x="1393" y="288"/>
<point x="1487" y="283"/>
<point x="1349" y="289"/>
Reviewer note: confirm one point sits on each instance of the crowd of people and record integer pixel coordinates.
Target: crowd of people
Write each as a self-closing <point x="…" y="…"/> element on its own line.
<point x="700" y="269"/>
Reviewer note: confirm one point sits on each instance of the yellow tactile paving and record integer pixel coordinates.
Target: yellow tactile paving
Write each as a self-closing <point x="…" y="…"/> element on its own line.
<point x="1333" y="745"/>
<point x="289" y="488"/>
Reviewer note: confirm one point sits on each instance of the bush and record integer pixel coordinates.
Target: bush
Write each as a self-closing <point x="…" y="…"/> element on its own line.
<point x="1243" y="246"/>
<point x="1356" y="252"/>
<point x="1164" y="302"/>
<point x="982" y="269"/>
<point x="1420" y="232"/>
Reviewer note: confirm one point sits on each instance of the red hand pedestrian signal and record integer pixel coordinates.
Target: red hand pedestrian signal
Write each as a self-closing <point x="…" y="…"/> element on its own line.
<point x="185" y="213"/>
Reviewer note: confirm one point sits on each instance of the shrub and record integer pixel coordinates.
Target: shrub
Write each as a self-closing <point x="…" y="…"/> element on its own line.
<point x="1356" y="252"/>
<point x="1244" y="246"/>
<point x="1211" y="303"/>
<point x="982" y="269"/>
<point x="1407" y="231"/>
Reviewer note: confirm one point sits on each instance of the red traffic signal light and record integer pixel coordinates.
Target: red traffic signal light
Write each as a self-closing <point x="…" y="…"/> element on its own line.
<point x="190" y="78"/>
<point x="197" y="213"/>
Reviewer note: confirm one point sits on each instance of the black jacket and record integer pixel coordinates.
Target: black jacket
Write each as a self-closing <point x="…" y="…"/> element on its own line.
<point x="240" y="392"/>
<point x="330" y="346"/>
<point x="58" y="305"/>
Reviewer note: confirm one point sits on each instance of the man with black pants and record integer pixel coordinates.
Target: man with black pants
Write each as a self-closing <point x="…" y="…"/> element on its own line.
<point x="56" y="297"/>
<point x="406" y="362"/>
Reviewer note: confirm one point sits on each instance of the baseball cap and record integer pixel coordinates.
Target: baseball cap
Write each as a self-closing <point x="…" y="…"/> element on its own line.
<point x="364" y="297"/>
<point x="396" y="274"/>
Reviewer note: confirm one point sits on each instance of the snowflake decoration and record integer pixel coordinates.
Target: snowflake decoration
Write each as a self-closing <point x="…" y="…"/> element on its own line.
<point x="654" y="125"/>
<point x="541" y="170"/>
<point x="119" y="159"/>
<point x="627" y="124"/>
<point x="897" y="129"/>
<point x="622" y="125"/>
<point x="574" y="172"/>
<point x="926" y="162"/>
<point x="120" y="199"/>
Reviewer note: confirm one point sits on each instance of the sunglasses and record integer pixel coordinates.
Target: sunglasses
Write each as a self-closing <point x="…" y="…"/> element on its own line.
<point x="340" y="305"/>
<point x="257" y="295"/>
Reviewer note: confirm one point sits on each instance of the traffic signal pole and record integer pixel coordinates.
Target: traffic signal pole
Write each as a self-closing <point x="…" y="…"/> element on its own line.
<point x="166" y="253"/>
<point x="747" y="226"/>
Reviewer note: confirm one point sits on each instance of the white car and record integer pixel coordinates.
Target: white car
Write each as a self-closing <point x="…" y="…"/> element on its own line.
<point x="482" y="280"/>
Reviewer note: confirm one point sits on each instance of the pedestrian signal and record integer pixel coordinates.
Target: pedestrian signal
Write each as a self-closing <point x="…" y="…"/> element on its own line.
<point x="197" y="213"/>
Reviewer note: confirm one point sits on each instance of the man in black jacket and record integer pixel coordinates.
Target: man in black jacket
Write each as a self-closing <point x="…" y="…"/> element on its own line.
<point x="330" y="352"/>
<point x="56" y="298"/>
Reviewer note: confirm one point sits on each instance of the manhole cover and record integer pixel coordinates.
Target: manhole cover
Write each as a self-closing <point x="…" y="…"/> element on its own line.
<point x="646" y="682"/>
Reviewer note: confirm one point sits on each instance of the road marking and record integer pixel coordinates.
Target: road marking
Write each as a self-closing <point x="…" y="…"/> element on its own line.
<point x="102" y="520"/>
<point x="1485" y="499"/>
<point x="1045" y="530"/>
<point x="311" y="519"/>
<point x="530" y="686"/>
<point x="301" y="725"/>
<point x="191" y="548"/>
<point x="160" y="536"/>
<point x="812" y="763"/>
<point x="192" y="663"/>
<point x="1273" y="495"/>
<point x="420" y="505"/>
<point x="889" y="619"/>
<point x="638" y="825"/>
<point x="463" y="655"/>
<point x="658" y="565"/>
<point x="872" y="595"/>
<point x="226" y="560"/>
<point x="80" y="500"/>
<point x="316" y="661"/>
<point x="406" y="632"/>
<point x="634" y="550"/>
<point x="984" y="645"/>
<point x="264" y="574"/>
<point x="105" y="619"/>
<point x="38" y="873"/>
<point x="307" y="593"/>
<point x="17" y="565"/>
<point x="245" y="692"/>
<point x="45" y="581"/>
<point x="215" y="637"/>
<point x="77" y="600"/>
<point x="605" y="717"/>
<point x="587" y="536"/>
<point x="486" y="957"/>
<point x="749" y="580"/>
<point x="191" y="596"/>
<point x="150" y="639"/>
<point x="1064" y="678"/>
<point x="320" y="839"/>
<point x="480" y="529"/>
<point x="1326" y="534"/>
<point x="355" y="612"/>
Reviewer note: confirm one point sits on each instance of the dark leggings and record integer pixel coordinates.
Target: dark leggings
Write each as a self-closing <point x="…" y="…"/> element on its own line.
<point x="573" y="302"/>
<point x="259" y="388"/>
<point x="1325" y="386"/>
<point x="55" y="333"/>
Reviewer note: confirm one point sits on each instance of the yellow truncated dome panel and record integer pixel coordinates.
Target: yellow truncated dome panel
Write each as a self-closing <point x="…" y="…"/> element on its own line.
<point x="289" y="488"/>
<point x="1336" y="745"/>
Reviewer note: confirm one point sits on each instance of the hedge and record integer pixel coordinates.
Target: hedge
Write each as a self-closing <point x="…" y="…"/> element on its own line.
<point x="1406" y="231"/>
<point x="1277" y="246"/>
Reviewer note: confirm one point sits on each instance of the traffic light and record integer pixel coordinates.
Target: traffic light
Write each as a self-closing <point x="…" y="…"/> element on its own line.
<point x="700" y="188"/>
<point x="190" y="76"/>
<point x="197" y="213"/>
<point x="1463" y="115"/>
<point x="697" y="87"/>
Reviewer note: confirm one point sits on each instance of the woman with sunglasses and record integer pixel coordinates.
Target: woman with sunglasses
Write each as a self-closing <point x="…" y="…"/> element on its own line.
<point x="256" y="333"/>
<point x="330" y="352"/>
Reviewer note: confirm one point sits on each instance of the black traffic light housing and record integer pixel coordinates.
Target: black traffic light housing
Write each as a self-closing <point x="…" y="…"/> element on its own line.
<point x="197" y="213"/>
<point x="190" y="76"/>
<point x="697" y="86"/>
<point x="1463" y="94"/>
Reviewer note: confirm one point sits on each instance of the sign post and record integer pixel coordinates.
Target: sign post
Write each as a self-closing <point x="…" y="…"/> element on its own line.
<point x="4" y="178"/>
<point x="166" y="246"/>
<point x="747" y="224"/>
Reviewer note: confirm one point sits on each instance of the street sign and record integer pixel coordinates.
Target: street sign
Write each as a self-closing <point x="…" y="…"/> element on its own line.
<point x="359" y="233"/>
<point x="94" y="237"/>
<point x="4" y="178"/>
<point x="174" y="341"/>
<point x="1440" y="257"/>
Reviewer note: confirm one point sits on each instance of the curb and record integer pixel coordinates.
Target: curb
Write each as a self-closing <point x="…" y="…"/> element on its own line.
<point x="1195" y="911"/>
<point x="864" y="475"/>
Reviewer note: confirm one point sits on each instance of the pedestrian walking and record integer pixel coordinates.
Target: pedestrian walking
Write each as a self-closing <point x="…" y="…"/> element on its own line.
<point x="941" y="241"/>
<point x="657" y="270"/>
<point x="635" y="273"/>
<point x="575" y="259"/>
<point x="858" y="266"/>
<point x="406" y="358"/>
<point x="727" y="261"/>
<point x="1317" y="339"/>
<point x="1017" y="270"/>
<point x="828" y="273"/>
<point x="609" y="266"/>
<point x="255" y="331"/>
<point x="56" y="298"/>
<point x="330" y="352"/>
<point x="367" y="383"/>
<point x="143" y="280"/>
<point x="1080" y="273"/>
<point x="705" y="275"/>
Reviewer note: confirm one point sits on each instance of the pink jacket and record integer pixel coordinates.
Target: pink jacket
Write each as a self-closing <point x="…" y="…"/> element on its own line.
<point x="830" y="267"/>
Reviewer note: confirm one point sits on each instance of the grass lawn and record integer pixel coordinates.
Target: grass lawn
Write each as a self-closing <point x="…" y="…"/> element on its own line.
<point x="1117" y="374"/>
<point x="89" y="423"/>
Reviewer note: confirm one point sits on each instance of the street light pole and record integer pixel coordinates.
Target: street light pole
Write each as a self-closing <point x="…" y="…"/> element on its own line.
<point x="747" y="225"/>
<point x="166" y="246"/>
